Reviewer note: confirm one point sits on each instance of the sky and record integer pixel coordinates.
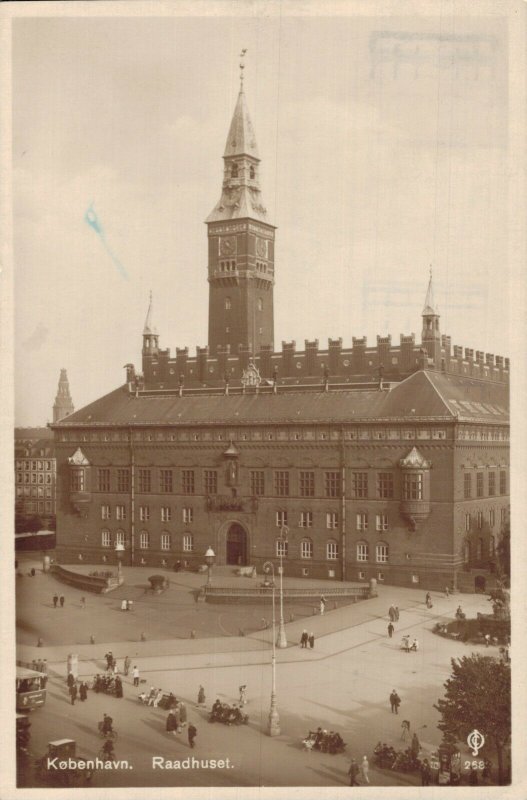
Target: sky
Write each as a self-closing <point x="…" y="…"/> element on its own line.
<point x="384" y="145"/>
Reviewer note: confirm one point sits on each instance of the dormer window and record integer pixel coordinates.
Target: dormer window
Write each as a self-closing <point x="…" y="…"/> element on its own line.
<point x="234" y="171"/>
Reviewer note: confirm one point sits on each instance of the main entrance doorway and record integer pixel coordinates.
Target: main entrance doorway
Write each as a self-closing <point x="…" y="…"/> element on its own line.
<point x="237" y="545"/>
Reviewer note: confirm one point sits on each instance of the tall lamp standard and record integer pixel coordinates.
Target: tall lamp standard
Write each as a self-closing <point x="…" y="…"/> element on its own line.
<point x="282" y="639"/>
<point x="273" y="726"/>
<point x="119" y="551"/>
<point x="210" y="555"/>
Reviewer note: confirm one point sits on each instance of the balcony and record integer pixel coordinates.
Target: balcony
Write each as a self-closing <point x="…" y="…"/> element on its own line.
<point x="414" y="511"/>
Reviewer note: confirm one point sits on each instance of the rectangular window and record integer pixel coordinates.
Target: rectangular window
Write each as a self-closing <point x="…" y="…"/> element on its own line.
<point x="307" y="484"/>
<point x="480" y="519"/>
<point x="210" y="477"/>
<point x="413" y="486"/>
<point x="281" y="483"/>
<point x="106" y="539"/>
<point x="492" y="484"/>
<point x="123" y="480"/>
<point x="363" y="551"/>
<point x="103" y="480"/>
<point x="281" y="519"/>
<point x="479" y="484"/>
<point x="257" y="482"/>
<point x="119" y="538"/>
<point x="120" y="512"/>
<point x="360" y="484"/>
<point x="467" y="486"/>
<point x="144" y="481"/>
<point x="381" y="522"/>
<point x="306" y="519"/>
<point x="282" y="548"/>
<point x="306" y="548"/>
<point x="188" y="515"/>
<point x="492" y="518"/>
<point x="187" y="481"/>
<point x="105" y="512"/>
<point x="188" y="543"/>
<point x="77" y="480"/>
<point x="362" y="522"/>
<point x="332" y="551"/>
<point x="332" y="520"/>
<point x="503" y="482"/>
<point x="467" y="522"/>
<point x="165" y="541"/>
<point x="385" y="485"/>
<point x="166" y="513"/>
<point x="503" y="515"/>
<point x="144" y="540"/>
<point x="332" y="484"/>
<point x="144" y="513"/>
<point x="165" y="481"/>
<point x="381" y="553"/>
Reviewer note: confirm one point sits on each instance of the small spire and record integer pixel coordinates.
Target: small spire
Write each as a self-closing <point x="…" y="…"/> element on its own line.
<point x="430" y="306"/>
<point x="149" y="327"/>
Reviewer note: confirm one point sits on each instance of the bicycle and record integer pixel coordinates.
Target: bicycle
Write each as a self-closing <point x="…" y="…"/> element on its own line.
<point x="111" y="734"/>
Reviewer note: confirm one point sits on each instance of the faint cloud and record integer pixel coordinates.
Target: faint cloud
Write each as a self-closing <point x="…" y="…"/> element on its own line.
<point x="37" y="338"/>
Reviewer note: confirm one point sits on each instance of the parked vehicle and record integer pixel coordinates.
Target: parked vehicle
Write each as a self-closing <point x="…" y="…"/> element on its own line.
<point x="62" y="749"/>
<point x="30" y="689"/>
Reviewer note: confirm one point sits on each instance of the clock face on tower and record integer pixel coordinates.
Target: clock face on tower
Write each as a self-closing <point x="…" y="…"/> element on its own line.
<point x="227" y="246"/>
<point x="261" y="248"/>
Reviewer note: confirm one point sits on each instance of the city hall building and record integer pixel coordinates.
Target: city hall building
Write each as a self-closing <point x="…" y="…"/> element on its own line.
<point x="388" y="461"/>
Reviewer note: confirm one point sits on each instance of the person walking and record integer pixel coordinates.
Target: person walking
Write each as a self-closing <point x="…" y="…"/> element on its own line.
<point x="397" y="703"/>
<point x="118" y="687"/>
<point x="447" y="591"/>
<point x="322" y="605"/>
<point x="83" y="691"/>
<point x="353" y="772"/>
<point x="390" y="629"/>
<point x="311" y="640"/>
<point x="171" y="723"/>
<point x="426" y="773"/>
<point x="365" y="770"/>
<point x="405" y="729"/>
<point x="73" y="693"/>
<point x="397" y="613"/>
<point x="61" y="601"/>
<point x="304" y="638"/>
<point x="135" y="674"/>
<point x="243" y="695"/>
<point x="393" y="697"/>
<point x="127" y="662"/>
<point x="428" y="598"/>
<point x="192" y="733"/>
<point x="55" y="600"/>
<point x="391" y="613"/>
<point x="70" y="680"/>
<point x="201" y="696"/>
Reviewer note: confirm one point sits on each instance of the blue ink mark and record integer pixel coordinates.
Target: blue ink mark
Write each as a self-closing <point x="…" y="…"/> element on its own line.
<point x="93" y="221"/>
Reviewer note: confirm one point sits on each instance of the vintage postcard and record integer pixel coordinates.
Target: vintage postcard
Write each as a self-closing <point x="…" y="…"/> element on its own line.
<point x="263" y="283"/>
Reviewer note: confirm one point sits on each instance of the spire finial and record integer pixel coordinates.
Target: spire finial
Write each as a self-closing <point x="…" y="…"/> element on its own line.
<point x="242" y="67"/>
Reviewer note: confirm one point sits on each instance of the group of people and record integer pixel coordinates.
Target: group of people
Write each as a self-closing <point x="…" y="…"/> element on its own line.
<point x="41" y="665"/>
<point x="355" y="770"/>
<point x="58" y="600"/>
<point x="325" y="741"/>
<point x="393" y="613"/>
<point x="406" y="646"/>
<point x="227" y="714"/>
<point x="109" y="683"/>
<point x="173" y="726"/>
<point x="307" y="638"/>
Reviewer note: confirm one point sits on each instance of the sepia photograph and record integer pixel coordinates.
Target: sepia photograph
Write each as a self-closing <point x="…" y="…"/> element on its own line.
<point x="264" y="310"/>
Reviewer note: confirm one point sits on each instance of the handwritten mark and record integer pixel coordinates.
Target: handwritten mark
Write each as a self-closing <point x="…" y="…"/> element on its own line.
<point x="93" y="221"/>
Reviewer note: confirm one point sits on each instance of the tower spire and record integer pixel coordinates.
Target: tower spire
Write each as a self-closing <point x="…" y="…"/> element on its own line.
<point x="430" y="306"/>
<point x="242" y="67"/>
<point x="63" y="405"/>
<point x="149" y="326"/>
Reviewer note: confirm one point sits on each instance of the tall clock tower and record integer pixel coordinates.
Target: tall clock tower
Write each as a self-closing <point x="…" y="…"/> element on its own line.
<point x="241" y="247"/>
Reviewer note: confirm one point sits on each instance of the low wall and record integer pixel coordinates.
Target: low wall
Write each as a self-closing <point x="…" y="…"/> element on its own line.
<point x="255" y="594"/>
<point x="88" y="583"/>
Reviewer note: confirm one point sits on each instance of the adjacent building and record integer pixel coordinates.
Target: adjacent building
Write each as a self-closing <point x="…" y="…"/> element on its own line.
<point x="354" y="462"/>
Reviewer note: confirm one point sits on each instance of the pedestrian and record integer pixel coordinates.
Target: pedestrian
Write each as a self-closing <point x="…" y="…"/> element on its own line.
<point x="397" y="613"/>
<point x="83" y="691"/>
<point x="55" y="600"/>
<point x="415" y="645"/>
<point x="201" y="696"/>
<point x="83" y="602"/>
<point x="406" y="643"/>
<point x="397" y="703"/>
<point x="243" y="695"/>
<point x="135" y="673"/>
<point x="109" y="659"/>
<point x="182" y="714"/>
<point x="322" y="605"/>
<point x="118" y="687"/>
<point x="391" y="613"/>
<point x="158" y="698"/>
<point x="73" y="693"/>
<point x="127" y="662"/>
<point x="415" y="746"/>
<point x="151" y="696"/>
<point x="447" y="591"/>
<point x="426" y="773"/>
<point x="124" y="605"/>
<point x="405" y="729"/>
<point x="304" y="638"/>
<point x="428" y="598"/>
<point x="61" y="601"/>
<point x="192" y="733"/>
<point x="364" y="770"/>
<point x="171" y="723"/>
<point x="311" y="640"/>
<point x="353" y="772"/>
<point x="70" y="680"/>
<point x="393" y="697"/>
<point x="390" y="629"/>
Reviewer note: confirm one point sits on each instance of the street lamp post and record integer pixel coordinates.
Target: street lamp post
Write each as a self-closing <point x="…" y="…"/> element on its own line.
<point x="210" y="555"/>
<point x="119" y="550"/>
<point x="282" y="639"/>
<point x="273" y="726"/>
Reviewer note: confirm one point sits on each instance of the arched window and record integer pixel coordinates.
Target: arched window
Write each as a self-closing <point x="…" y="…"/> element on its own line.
<point x="234" y="171"/>
<point x="119" y="537"/>
<point x="106" y="538"/>
<point x="381" y="553"/>
<point x="144" y="540"/>
<point x="332" y="550"/>
<point x="227" y="303"/>
<point x="306" y="548"/>
<point x="251" y="172"/>
<point x="363" y="551"/>
<point x="260" y="304"/>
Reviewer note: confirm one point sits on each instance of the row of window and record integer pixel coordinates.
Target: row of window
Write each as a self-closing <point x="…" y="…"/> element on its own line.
<point x="332" y="520"/>
<point x="480" y="484"/>
<point x="39" y="506"/>
<point x="27" y="465"/>
<point x="166" y="540"/>
<point x="477" y="550"/>
<point x="33" y="491"/>
<point x="33" y="477"/>
<point x="228" y="304"/>
<point x="479" y="518"/>
<point x="187" y="513"/>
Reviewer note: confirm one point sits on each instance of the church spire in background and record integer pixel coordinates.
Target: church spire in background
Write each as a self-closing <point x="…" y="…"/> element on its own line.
<point x="63" y="405"/>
